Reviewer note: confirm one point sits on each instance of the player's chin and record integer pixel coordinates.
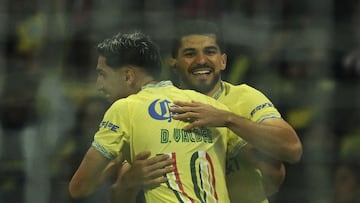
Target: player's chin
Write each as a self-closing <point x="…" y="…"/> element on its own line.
<point x="201" y="81"/>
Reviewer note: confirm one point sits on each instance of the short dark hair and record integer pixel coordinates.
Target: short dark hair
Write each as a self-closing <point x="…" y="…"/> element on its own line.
<point x="133" y="48"/>
<point x="191" y="27"/>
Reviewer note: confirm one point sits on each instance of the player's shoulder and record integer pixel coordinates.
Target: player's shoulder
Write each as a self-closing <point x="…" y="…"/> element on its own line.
<point x="240" y="88"/>
<point x="120" y="103"/>
<point x="197" y="96"/>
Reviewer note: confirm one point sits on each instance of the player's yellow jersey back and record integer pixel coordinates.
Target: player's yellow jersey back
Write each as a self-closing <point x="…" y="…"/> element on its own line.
<point x="144" y="122"/>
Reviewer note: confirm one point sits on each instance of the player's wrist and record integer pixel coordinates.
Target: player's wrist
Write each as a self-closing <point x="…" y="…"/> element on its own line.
<point x="229" y="119"/>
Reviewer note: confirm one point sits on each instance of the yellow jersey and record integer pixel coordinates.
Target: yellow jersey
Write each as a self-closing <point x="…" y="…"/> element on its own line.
<point x="143" y="122"/>
<point x="243" y="180"/>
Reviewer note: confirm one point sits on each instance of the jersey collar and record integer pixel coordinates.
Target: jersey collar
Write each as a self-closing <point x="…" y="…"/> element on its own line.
<point x="163" y="83"/>
<point x="219" y="91"/>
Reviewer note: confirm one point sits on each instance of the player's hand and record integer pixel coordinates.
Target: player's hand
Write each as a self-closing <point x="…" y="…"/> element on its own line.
<point x="273" y="171"/>
<point x="199" y="114"/>
<point x="144" y="172"/>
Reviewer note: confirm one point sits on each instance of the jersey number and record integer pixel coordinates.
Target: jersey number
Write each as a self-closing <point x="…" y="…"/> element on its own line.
<point x="202" y="176"/>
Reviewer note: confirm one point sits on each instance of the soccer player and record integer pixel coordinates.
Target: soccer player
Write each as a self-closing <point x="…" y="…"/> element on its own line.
<point x="198" y="59"/>
<point x="139" y="119"/>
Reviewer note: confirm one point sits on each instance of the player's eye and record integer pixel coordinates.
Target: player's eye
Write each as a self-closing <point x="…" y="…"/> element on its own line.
<point x="211" y="51"/>
<point x="189" y="53"/>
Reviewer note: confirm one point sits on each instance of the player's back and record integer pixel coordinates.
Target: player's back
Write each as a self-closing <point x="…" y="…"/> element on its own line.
<point x="199" y="154"/>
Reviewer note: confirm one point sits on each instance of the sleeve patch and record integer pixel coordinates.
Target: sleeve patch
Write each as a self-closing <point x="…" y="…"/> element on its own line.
<point x="261" y="106"/>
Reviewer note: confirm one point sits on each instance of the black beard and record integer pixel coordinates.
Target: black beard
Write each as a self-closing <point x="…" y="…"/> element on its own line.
<point x="201" y="87"/>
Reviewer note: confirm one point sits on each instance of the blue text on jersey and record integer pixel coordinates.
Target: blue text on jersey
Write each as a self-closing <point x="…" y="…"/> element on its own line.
<point x="109" y="125"/>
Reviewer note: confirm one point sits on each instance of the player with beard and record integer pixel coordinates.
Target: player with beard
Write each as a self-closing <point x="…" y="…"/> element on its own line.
<point x="198" y="60"/>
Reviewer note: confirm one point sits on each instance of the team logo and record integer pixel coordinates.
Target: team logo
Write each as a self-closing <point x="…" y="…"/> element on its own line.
<point x="159" y="110"/>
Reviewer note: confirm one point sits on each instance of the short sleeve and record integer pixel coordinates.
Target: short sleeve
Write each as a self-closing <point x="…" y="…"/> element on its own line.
<point x="113" y="131"/>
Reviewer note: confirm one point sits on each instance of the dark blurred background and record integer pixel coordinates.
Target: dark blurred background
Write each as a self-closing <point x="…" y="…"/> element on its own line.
<point x="304" y="55"/>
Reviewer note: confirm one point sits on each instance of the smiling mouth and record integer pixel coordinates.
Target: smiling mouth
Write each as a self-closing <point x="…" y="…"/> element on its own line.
<point x="201" y="72"/>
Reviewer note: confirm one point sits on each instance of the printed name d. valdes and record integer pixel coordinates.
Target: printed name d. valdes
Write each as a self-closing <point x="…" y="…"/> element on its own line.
<point x="180" y="135"/>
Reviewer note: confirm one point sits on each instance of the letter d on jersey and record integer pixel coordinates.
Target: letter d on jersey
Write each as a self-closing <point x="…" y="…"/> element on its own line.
<point x="164" y="136"/>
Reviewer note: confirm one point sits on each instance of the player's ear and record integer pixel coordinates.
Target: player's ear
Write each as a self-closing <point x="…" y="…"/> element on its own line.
<point x="172" y="64"/>
<point x="223" y="61"/>
<point x="129" y="75"/>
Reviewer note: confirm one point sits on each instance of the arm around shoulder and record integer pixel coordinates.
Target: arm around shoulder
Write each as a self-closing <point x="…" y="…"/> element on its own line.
<point x="273" y="136"/>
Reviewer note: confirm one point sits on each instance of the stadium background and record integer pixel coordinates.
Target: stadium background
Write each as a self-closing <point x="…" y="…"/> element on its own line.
<point x="304" y="55"/>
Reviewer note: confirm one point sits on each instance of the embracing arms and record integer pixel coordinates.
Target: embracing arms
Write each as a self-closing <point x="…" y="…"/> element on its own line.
<point x="95" y="168"/>
<point x="143" y="172"/>
<point x="273" y="140"/>
<point x="274" y="136"/>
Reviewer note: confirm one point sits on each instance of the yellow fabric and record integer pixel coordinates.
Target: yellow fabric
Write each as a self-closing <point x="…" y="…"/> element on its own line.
<point x="243" y="180"/>
<point x="143" y="122"/>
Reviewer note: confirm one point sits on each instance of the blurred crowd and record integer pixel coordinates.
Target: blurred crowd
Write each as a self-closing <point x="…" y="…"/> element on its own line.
<point x="304" y="55"/>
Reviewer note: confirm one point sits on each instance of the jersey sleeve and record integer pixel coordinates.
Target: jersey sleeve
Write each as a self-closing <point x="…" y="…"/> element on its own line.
<point x="234" y="144"/>
<point x="264" y="111"/>
<point x="259" y="106"/>
<point x="113" y="131"/>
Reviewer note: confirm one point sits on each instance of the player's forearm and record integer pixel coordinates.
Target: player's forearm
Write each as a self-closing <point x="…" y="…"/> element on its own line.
<point x="277" y="139"/>
<point x="110" y="172"/>
<point x="85" y="188"/>
<point x="87" y="177"/>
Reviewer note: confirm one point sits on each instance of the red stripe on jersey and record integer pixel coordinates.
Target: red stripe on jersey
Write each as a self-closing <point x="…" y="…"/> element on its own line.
<point x="212" y="174"/>
<point x="173" y="155"/>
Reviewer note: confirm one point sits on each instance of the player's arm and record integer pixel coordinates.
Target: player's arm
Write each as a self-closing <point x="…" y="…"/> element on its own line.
<point x="274" y="136"/>
<point x="111" y="170"/>
<point x="89" y="174"/>
<point x="143" y="172"/>
<point x="273" y="171"/>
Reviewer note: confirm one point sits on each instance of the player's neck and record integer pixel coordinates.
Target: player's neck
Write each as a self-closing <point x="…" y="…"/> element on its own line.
<point x="216" y="91"/>
<point x="148" y="81"/>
